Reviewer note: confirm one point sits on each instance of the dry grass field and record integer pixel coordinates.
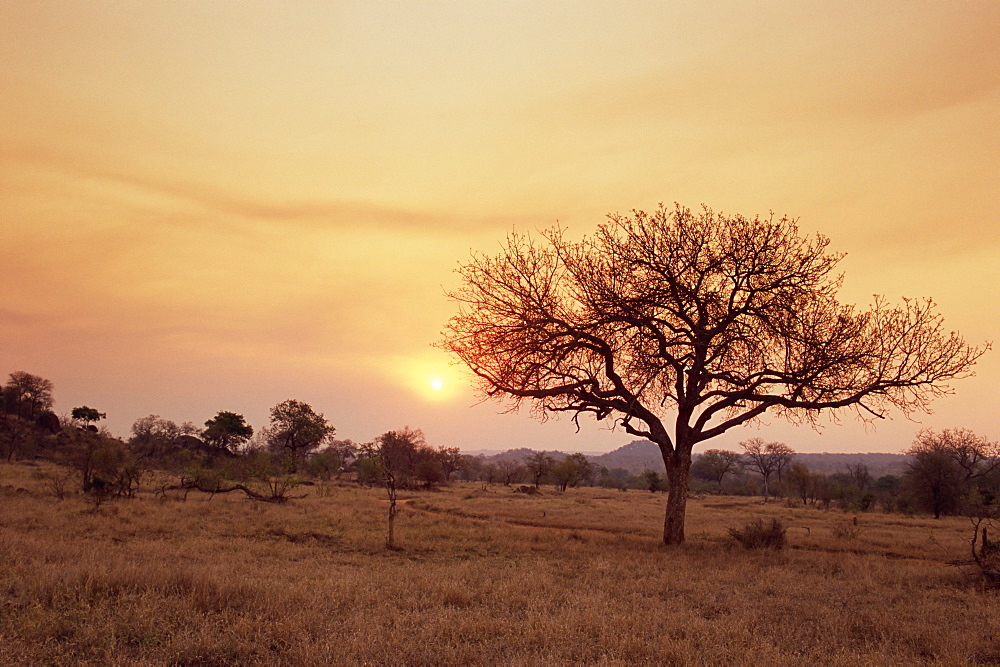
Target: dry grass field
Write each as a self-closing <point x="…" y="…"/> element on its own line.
<point x="480" y="577"/>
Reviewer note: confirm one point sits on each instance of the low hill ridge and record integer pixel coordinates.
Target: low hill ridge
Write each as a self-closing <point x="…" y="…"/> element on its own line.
<point x="640" y="455"/>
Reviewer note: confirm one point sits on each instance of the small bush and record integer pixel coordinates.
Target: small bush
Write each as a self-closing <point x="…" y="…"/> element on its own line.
<point x="58" y="481"/>
<point x="847" y="531"/>
<point x="758" y="534"/>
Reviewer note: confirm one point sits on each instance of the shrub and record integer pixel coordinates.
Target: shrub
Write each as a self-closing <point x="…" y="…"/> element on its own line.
<point x="758" y="534"/>
<point x="57" y="480"/>
<point x="847" y="531"/>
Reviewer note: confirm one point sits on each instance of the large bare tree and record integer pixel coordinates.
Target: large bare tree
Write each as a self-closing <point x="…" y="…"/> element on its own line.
<point x="681" y="325"/>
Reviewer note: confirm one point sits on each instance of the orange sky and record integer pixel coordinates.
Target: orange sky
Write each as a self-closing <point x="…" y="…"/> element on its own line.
<point x="220" y="206"/>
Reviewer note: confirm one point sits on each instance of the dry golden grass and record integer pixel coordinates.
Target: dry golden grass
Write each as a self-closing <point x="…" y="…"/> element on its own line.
<point x="481" y="577"/>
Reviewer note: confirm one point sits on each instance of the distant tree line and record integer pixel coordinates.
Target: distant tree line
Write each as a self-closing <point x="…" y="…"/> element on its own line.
<point x="953" y="471"/>
<point x="949" y="472"/>
<point x="225" y="454"/>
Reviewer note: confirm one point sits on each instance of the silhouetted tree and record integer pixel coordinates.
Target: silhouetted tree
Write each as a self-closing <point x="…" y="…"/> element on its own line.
<point x="887" y="492"/>
<point x="860" y="475"/>
<point x="766" y="458"/>
<point x="107" y="466"/>
<point x="616" y="478"/>
<point x="510" y="471"/>
<point x="472" y="469"/>
<point x="489" y="473"/>
<point x="934" y="479"/>
<point x="684" y="325"/>
<point x="27" y="396"/>
<point x="570" y="471"/>
<point x="714" y="464"/>
<point x="394" y="456"/>
<point x="296" y="430"/>
<point x="976" y="455"/>
<point x="653" y="481"/>
<point x="153" y="436"/>
<point x="333" y="459"/>
<point x="450" y="459"/>
<point x="16" y="437"/>
<point x="227" y="431"/>
<point x="944" y="467"/>
<point x="800" y="480"/>
<point x="87" y="415"/>
<point x="538" y="465"/>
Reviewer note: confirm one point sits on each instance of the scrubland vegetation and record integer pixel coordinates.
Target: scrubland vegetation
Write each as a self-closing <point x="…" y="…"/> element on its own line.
<point x="224" y="545"/>
<point x="479" y="575"/>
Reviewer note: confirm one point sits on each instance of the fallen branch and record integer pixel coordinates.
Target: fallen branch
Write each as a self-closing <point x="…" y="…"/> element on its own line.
<point x="991" y="574"/>
<point x="253" y="495"/>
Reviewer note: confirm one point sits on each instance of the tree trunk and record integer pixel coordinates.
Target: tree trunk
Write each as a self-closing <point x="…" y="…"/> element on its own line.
<point x="390" y="487"/>
<point x="390" y="540"/>
<point x="678" y="468"/>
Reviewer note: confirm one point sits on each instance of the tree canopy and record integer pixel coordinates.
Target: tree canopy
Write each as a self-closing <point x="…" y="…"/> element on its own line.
<point x="296" y="429"/>
<point x="766" y="458"/>
<point x="945" y="467"/>
<point x="87" y="414"/>
<point x="681" y="325"/>
<point x="227" y="431"/>
<point x="27" y="396"/>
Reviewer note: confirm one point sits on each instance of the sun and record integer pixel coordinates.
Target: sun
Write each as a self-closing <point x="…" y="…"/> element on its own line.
<point x="428" y="377"/>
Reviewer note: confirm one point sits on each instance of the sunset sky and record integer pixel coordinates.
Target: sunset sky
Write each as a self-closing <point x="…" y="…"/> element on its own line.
<point x="212" y="206"/>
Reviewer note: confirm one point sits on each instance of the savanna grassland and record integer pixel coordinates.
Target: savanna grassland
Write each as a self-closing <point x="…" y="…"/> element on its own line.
<point x="480" y="576"/>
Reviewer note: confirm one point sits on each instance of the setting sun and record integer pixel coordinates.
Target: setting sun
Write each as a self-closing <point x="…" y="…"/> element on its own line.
<point x="219" y="206"/>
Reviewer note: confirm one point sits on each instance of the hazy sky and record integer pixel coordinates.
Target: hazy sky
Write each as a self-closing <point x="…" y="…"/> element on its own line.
<point x="220" y="205"/>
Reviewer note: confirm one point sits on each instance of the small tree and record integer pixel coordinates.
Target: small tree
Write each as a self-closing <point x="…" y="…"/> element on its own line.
<point x="450" y="460"/>
<point x="471" y="469"/>
<point x="860" y="475"/>
<point x="488" y="474"/>
<point x="653" y="481"/>
<point x="800" y="480"/>
<point x="570" y="471"/>
<point x="27" y="396"/>
<point x="945" y="467"/>
<point x="393" y="455"/>
<point x="265" y="471"/>
<point x="296" y="430"/>
<point x="427" y="468"/>
<point x="887" y="492"/>
<point x="510" y="471"/>
<point x="538" y="465"/>
<point x="227" y="431"/>
<point x="107" y="466"/>
<point x="333" y="459"/>
<point x="714" y="464"/>
<point x="153" y="436"/>
<point x="766" y="458"/>
<point x="87" y="415"/>
<point x="16" y="436"/>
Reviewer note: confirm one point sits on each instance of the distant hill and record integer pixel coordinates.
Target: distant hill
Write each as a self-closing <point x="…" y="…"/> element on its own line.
<point x="878" y="464"/>
<point x="641" y="455"/>
<point x="519" y="454"/>
<point x="636" y="457"/>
